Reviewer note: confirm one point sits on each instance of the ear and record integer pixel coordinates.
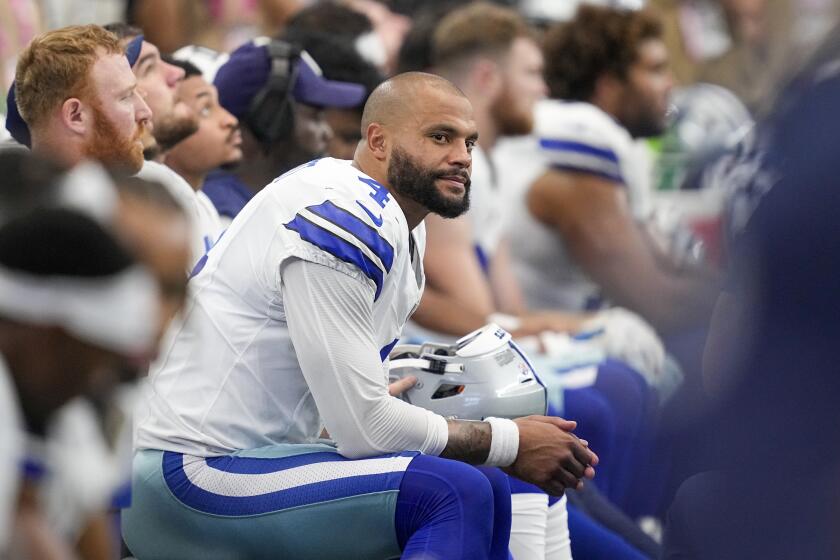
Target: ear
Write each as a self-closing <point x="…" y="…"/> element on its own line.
<point x="376" y="139"/>
<point x="76" y="115"/>
<point x="608" y="87"/>
<point x="487" y="78"/>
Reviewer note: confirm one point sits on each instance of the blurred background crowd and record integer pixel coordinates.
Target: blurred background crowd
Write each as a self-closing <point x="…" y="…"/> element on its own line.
<point x="653" y="218"/>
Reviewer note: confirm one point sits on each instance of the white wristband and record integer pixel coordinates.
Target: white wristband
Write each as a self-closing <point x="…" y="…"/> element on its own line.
<point x="504" y="445"/>
<point x="508" y="322"/>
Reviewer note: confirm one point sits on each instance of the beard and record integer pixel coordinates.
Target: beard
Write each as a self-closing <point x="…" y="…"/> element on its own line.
<point x="172" y="128"/>
<point x="413" y="181"/>
<point x="645" y="124"/>
<point x="113" y="149"/>
<point x="641" y="117"/>
<point x="509" y="119"/>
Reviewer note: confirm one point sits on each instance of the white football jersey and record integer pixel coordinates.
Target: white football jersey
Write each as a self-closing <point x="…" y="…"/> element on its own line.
<point x="486" y="214"/>
<point x="228" y="378"/>
<point x="578" y="137"/>
<point x="205" y="224"/>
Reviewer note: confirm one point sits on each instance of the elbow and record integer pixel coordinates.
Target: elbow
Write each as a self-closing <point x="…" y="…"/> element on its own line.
<point x="368" y="436"/>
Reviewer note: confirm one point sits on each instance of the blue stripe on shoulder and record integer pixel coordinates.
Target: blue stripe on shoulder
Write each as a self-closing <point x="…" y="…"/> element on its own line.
<point x="579" y="148"/>
<point x="338" y="247"/>
<point x="577" y="169"/>
<point x="383" y="353"/>
<point x="306" y="494"/>
<point x="356" y="227"/>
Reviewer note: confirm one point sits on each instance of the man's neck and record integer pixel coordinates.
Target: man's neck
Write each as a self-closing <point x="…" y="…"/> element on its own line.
<point x="256" y="174"/>
<point x="195" y="179"/>
<point x="608" y="104"/>
<point x="413" y="212"/>
<point x="65" y="154"/>
<point x="488" y="131"/>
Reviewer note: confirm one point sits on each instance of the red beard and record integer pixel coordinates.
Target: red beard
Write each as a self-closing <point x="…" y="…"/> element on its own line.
<point x="112" y="148"/>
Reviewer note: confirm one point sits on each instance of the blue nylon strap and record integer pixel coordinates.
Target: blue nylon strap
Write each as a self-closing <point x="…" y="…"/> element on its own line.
<point x="338" y="247"/>
<point x="356" y="227"/>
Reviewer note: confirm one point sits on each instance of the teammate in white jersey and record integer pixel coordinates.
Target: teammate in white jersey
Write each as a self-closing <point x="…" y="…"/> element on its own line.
<point x="577" y="238"/>
<point x="292" y="315"/>
<point x="173" y="122"/>
<point x="491" y="54"/>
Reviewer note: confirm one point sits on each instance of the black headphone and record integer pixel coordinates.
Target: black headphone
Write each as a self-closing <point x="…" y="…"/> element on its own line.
<point x="271" y="116"/>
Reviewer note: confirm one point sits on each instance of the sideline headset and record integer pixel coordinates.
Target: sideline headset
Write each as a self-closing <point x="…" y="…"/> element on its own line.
<point x="271" y="115"/>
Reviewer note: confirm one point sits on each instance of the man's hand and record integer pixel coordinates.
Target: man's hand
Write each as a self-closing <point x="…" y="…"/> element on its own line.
<point x="400" y="386"/>
<point x="536" y="322"/>
<point x="550" y="456"/>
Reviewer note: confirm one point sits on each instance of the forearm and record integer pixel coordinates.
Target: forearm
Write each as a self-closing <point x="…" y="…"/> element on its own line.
<point x="457" y="298"/>
<point x="624" y="267"/>
<point x="593" y="219"/>
<point x="669" y="301"/>
<point x="468" y="441"/>
<point x="444" y="314"/>
<point x="494" y="442"/>
<point x="330" y="322"/>
<point x="506" y="291"/>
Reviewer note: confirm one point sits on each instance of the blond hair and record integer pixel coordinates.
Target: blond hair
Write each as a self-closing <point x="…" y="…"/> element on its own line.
<point x="56" y="66"/>
<point x="476" y="29"/>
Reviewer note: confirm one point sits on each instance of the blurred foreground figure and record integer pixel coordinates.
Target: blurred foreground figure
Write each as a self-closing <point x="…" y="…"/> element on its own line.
<point x="73" y="305"/>
<point x="776" y="494"/>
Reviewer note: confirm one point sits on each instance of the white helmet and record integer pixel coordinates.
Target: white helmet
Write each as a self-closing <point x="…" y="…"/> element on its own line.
<point x="483" y="374"/>
<point x="707" y="121"/>
<point x="205" y="59"/>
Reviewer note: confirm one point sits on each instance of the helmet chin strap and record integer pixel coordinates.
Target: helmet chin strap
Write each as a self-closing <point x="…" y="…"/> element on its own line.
<point x="426" y="365"/>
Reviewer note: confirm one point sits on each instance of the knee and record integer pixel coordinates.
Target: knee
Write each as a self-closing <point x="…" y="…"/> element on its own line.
<point x="619" y="379"/>
<point x="456" y="486"/>
<point x="499" y="482"/>
<point x="474" y="489"/>
<point x="590" y="409"/>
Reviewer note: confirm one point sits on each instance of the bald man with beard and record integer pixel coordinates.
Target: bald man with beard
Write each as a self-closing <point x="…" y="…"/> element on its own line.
<point x="293" y="313"/>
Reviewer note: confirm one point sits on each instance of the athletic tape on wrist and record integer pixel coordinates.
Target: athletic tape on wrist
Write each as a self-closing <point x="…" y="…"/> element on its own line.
<point x="504" y="445"/>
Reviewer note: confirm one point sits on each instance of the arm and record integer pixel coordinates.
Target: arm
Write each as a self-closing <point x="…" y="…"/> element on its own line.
<point x="32" y="537"/>
<point x="505" y="287"/>
<point x="591" y="215"/>
<point x="96" y="541"/>
<point x="328" y="310"/>
<point x="457" y="298"/>
<point x="330" y="320"/>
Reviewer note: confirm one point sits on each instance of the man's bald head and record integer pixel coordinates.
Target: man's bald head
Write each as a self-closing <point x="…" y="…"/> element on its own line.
<point x="401" y="95"/>
<point x="419" y="133"/>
